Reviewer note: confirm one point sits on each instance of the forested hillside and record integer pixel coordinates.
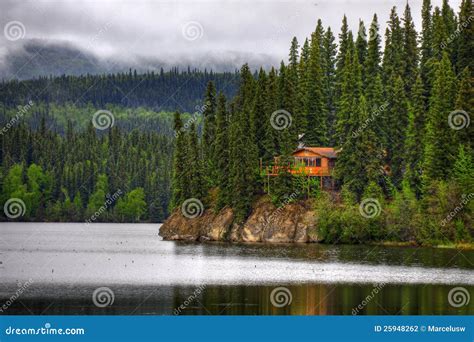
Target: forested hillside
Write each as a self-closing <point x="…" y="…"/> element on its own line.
<point x="400" y="119"/>
<point x="95" y="148"/>
<point x="116" y="176"/>
<point x="161" y="91"/>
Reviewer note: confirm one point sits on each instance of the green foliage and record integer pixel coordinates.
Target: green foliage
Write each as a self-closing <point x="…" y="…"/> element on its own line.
<point x="62" y="177"/>
<point x="132" y="206"/>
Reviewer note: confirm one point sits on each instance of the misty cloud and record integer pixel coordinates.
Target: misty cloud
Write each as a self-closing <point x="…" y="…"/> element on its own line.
<point x="226" y="31"/>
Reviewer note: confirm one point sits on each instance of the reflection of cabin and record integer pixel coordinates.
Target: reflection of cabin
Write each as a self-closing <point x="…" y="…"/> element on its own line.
<point x="310" y="162"/>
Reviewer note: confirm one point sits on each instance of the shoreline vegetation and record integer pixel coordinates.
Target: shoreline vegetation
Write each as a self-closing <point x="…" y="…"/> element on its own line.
<point x="398" y="119"/>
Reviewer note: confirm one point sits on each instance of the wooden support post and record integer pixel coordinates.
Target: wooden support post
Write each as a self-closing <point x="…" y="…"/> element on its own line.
<point x="268" y="177"/>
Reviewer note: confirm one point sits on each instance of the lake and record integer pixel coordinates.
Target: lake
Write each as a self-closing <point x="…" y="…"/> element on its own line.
<point x="126" y="269"/>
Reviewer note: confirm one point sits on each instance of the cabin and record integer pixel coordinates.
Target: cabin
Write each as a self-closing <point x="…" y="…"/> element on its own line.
<point x="310" y="162"/>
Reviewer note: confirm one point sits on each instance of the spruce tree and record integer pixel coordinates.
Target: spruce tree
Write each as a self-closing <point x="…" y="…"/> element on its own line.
<point x="259" y="117"/>
<point x="439" y="149"/>
<point x="194" y="166"/>
<point x="426" y="46"/>
<point x="329" y="73"/>
<point x="410" y="50"/>
<point x="316" y="129"/>
<point x="465" y="102"/>
<point x="415" y="138"/>
<point x="465" y="42"/>
<point x="361" y="47"/>
<point x="221" y="148"/>
<point x="396" y="128"/>
<point x="208" y="135"/>
<point x="243" y="163"/>
<point x="180" y="182"/>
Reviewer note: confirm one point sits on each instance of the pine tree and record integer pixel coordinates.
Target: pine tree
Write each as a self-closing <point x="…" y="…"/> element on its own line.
<point x="465" y="102"/>
<point x="302" y="89"/>
<point x="351" y="90"/>
<point x="361" y="47"/>
<point x="194" y="165"/>
<point x="373" y="85"/>
<point x="221" y="148"/>
<point x="344" y="44"/>
<point x="396" y="129"/>
<point x="259" y="117"/>
<point x="439" y="149"/>
<point x="242" y="151"/>
<point x="415" y="138"/>
<point x="270" y="142"/>
<point x="208" y="135"/>
<point x="410" y="50"/>
<point x="463" y="170"/>
<point x="180" y="187"/>
<point x="465" y="42"/>
<point x="426" y="46"/>
<point x="316" y="130"/>
<point x="329" y="72"/>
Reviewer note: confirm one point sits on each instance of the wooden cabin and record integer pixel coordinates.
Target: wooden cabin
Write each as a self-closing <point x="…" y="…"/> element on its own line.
<point x="310" y="162"/>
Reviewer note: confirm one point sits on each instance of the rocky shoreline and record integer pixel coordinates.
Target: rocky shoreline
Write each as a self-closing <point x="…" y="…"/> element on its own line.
<point x="294" y="222"/>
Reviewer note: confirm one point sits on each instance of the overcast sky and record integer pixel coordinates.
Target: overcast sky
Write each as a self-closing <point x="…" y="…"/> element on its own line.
<point x="171" y="30"/>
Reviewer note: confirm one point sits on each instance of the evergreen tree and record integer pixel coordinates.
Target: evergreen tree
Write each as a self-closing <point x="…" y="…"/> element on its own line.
<point x="439" y="149"/>
<point x="410" y="50"/>
<point x="397" y="124"/>
<point x="316" y="117"/>
<point x="221" y="146"/>
<point x="259" y="117"/>
<point x="208" y="135"/>
<point x="329" y="73"/>
<point x="426" y="45"/>
<point x="465" y="42"/>
<point x="415" y="138"/>
<point x="180" y="188"/>
<point x="465" y="102"/>
<point x="270" y="142"/>
<point x="361" y="47"/>
<point x="242" y="150"/>
<point x="194" y="165"/>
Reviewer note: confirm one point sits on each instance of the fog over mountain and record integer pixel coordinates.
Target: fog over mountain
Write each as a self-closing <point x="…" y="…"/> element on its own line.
<point x="80" y="36"/>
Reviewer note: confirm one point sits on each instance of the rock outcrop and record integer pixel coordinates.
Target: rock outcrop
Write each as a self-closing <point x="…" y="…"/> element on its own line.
<point x="294" y="222"/>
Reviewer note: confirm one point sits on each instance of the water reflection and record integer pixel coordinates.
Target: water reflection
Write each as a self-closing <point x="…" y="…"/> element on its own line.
<point x="308" y="299"/>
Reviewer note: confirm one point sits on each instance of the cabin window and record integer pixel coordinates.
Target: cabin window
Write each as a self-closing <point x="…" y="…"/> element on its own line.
<point x="318" y="161"/>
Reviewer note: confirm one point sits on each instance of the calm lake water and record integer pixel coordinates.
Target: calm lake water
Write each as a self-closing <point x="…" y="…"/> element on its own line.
<point x="55" y="268"/>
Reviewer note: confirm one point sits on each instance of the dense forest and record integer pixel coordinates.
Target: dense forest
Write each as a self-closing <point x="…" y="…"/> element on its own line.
<point x="163" y="91"/>
<point x="59" y="162"/>
<point x="85" y="176"/>
<point x="399" y="119"/>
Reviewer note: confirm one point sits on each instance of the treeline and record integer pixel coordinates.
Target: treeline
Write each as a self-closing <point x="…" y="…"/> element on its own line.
<point x="162" y="91"/>
<point x="398" y="117"/>
<point x="57" y="118"/>
<point x="84" y="175"/>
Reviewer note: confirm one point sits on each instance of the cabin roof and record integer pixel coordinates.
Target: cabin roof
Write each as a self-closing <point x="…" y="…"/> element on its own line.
<point x="328" y="152"/>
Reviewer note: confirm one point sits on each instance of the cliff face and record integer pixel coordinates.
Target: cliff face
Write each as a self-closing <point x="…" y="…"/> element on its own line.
<point x="295" y="222"/>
